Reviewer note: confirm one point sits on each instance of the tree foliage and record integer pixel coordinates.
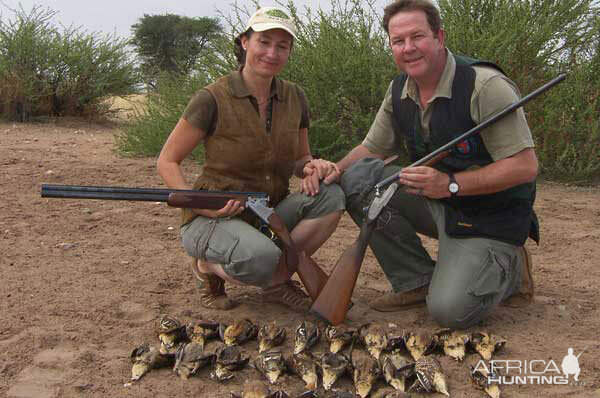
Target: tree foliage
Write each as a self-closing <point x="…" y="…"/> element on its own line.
<point x="343" y="62"/>
<point x="172" y="43"/>
<point x="533" y="41"/>
<point x="45" y="71"/>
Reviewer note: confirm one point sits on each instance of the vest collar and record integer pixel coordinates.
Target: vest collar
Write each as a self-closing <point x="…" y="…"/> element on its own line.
<point x="240" y="90"/>
<point x="444" y="87"/>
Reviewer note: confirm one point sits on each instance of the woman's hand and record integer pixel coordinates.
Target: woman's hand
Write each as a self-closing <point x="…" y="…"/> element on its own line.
<point x="315" y="171"/>
<point x="231" y="209"/>
<point x="321" y="166"/>
<point x="310" y="183"/>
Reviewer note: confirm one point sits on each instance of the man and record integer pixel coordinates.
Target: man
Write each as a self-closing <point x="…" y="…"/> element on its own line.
<point x="477" y="202"/>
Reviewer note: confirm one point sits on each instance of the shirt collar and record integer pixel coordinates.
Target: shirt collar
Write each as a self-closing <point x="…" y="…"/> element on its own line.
<point x="240" y="90"/>
<point x="444" y="87"/>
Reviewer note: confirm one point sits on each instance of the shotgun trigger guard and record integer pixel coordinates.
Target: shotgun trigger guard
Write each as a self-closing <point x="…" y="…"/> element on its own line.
<point x="381" y="201"/>
<point x="260" y="208"/>
<point x="268" y="232"/>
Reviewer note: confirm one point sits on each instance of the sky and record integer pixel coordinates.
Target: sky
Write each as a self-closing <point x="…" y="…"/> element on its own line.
<point x="117" y="16"/>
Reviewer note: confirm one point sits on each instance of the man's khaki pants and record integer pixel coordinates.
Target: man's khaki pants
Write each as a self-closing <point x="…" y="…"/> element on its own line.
<point x="471" y="275"/>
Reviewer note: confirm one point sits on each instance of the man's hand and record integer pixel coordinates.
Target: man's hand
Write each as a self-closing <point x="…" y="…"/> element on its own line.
<point x="315" y="171"/>
<point x="231" y="209"/>
<point x="425" y="181"/>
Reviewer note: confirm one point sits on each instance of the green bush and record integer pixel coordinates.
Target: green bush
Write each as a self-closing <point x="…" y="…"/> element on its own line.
<point x="47" y="72"/>
<point x="567" y="129"/>
<point x="342" y="61"/>
<point x="148" y="129"/>
<point x="533" y="41"/>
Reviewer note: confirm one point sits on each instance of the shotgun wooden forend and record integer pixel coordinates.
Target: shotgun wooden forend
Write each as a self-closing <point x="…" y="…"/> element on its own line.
<point x="334" y="300"/>
<point x="203" y="200"/>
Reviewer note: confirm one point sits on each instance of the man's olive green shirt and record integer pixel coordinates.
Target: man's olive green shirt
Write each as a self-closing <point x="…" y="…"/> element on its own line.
<point x="492" y="92"/>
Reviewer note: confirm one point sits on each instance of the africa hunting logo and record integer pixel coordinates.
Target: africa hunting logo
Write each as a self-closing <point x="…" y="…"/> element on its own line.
<point x="537" y="371"/>
<point x="277" y="14"/>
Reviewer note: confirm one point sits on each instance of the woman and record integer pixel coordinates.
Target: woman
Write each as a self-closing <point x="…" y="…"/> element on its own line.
<point x="254" y="127"/>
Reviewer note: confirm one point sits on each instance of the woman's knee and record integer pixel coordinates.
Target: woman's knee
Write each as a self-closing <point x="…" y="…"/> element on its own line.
<point x="254" y="265"/>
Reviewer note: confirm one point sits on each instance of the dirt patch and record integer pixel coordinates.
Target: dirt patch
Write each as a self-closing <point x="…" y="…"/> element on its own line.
<point x="83" y="281"/>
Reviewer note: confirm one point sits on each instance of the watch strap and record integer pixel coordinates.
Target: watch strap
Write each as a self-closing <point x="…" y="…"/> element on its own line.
<point x="452" y="181"/>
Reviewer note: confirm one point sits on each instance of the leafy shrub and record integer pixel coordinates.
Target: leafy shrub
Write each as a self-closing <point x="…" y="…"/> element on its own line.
<point x="533" y="41"/>
<point x="149" y="127"/>
<point x="46" y="72"/>
<point x="568" y="129"/>
<point x="342" y="61"/>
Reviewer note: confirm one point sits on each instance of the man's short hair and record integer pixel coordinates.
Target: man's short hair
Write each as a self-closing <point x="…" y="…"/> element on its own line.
<point x="430" y="10"/>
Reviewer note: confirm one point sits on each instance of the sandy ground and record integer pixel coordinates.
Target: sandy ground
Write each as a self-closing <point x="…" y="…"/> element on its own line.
<point x="83" y="281"/>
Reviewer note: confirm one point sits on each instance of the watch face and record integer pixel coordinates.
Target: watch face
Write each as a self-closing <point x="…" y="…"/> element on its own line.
<point x="453" y="187"/>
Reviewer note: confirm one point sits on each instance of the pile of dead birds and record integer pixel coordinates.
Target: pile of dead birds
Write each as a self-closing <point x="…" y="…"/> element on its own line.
<point x="365" y="354"/>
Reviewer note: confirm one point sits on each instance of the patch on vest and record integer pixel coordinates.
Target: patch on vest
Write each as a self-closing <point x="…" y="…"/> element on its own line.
<point x="466" y="148"/>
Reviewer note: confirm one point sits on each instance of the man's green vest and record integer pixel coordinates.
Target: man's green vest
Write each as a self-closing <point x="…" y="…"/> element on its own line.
<point x="507" y="215"/>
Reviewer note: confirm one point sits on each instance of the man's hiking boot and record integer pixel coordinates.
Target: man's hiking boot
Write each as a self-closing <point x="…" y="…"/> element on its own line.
<point x="400" y="301"/>
<point x="289" y="294"/>
<point x="212" y="289"/>
<point x="525" y="294"/>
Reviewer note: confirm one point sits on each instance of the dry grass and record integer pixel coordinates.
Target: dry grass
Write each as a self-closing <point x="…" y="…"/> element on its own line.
<point x="125" y="107"/>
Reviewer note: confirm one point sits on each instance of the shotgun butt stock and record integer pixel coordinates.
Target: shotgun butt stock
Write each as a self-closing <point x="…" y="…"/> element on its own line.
<point x="312" y="276"/>
<point x="333" y="302"/>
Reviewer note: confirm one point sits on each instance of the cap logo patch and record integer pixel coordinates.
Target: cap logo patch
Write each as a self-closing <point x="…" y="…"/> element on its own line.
<point x="277" y="14"/>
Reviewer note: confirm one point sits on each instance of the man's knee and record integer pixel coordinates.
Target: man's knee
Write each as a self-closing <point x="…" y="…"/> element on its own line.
<point x="456" y="310"/>
<point x="360" y="179"/>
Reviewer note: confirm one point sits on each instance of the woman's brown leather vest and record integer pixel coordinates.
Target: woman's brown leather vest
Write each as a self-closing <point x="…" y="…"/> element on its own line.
<point x="240" y="155"/>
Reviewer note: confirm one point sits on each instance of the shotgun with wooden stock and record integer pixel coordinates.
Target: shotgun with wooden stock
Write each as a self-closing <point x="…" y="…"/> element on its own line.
<point x="334" y="299"/>
<point x="311" y="275"/>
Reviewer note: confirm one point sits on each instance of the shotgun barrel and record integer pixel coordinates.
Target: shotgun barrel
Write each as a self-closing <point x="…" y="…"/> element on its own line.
<point x="127" y="193"/>
<point x="203" y="199"/>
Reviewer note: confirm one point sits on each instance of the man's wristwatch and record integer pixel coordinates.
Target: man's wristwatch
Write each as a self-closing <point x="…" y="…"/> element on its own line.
<point x="453" y="185"/>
